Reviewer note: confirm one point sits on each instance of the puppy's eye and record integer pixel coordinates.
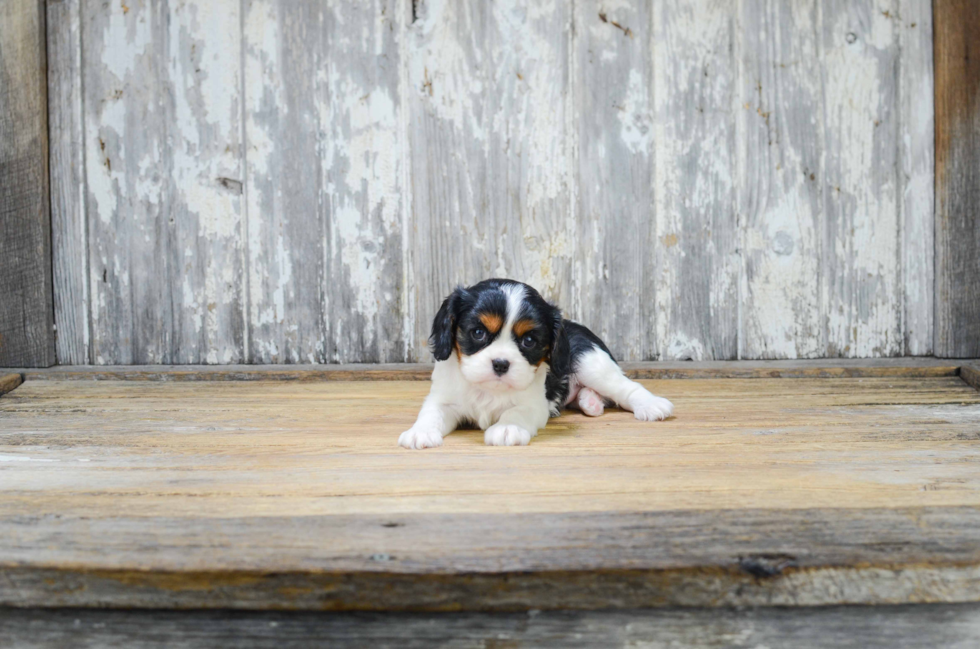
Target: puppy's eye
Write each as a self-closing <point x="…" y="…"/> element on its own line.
<point x="479" y="334"/>
<point x="527" y="342"/>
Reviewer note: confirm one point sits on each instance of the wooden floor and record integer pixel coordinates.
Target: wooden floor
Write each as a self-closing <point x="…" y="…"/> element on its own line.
<point x="272" y="494"/>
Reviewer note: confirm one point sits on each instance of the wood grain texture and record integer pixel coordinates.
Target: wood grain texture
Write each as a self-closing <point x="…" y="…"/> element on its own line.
<point x="324" y="127"/>
<point x="957" y="61"/>
<point x="163" y="172"/>
<point x="917" y="173"/>
<point x="861" y="280"/>
<point x="26" y="309"/>
<point x="693" y="180"/>
<point x="9" y="382"/>
<point x="696" y="239"/>
<point x="814" y="369"/>
<point x="294" y="495"/>
<point x="489" y="151"/>
<point x="971" y="374"/>
<point x="614" y="217"/>
<point x="780" y="204"/>
<point x="853" y="627"/>
<point x="66" y="145"/>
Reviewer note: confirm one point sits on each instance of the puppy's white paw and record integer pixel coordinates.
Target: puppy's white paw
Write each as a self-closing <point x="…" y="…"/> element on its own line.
<point x="590" y="403"/>
<point x="507" y="435"/>
<point x="648" y="407"/>
<point x="419" y="438"/>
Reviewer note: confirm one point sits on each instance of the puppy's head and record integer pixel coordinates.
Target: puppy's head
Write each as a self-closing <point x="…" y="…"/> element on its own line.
<point x="503" y="333"/>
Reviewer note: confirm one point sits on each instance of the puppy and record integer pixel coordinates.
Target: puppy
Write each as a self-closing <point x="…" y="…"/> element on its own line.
<point x="506" y="361"/>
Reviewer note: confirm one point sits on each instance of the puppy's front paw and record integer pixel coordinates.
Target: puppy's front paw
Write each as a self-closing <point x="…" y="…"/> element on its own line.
<point x="507" y="435"/>
<point x="652" y="408"/>
<point x="419" y="438"/>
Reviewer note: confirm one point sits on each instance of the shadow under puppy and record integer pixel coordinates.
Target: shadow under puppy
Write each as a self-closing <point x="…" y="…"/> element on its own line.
<point x="506" y="361"/>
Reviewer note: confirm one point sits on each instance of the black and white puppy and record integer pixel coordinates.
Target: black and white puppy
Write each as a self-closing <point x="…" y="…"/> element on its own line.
<point x="506" y="361"/>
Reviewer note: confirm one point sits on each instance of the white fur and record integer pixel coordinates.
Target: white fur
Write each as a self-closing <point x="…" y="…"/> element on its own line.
<point x="511" y="408"/>
<point x="510" y="417"/>
<point x="478" y="368"/>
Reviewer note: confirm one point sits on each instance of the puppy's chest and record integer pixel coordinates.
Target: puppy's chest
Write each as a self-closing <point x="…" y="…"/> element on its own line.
<point x="485" y="408"/>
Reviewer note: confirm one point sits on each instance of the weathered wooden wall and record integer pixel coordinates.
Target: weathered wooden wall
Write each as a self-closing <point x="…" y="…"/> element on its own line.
<point x="26" y="312"/>
<point x="283" y="181"/>
<point x="957" y="48"/>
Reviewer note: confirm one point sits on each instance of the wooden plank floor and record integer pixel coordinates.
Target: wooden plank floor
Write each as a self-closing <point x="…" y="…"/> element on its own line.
<point x="268" y="494"/>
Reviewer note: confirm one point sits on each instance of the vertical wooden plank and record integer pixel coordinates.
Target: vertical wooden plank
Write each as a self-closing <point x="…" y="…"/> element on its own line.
<point x="490" y="159"/>
<point x="128" y="182"/>
<point x="324" y="181"/>
<point x="957" y="60"/>
<point x="26" y="314"/>
<point x="613" y="68"/>
<point x="917" y="146"/>
<point x="780" y="171"/>
<point x="204" y="80"/>
<point x="451" y="242"/>
<point x="698" y="263"/>
<point x="286" y="229"/>
<point x="163" y="172"/>
<point x="69" y="231"/>
<point x="361" y="135"/>
<point x="861" y="300"/>
<point x="529" y="143"/>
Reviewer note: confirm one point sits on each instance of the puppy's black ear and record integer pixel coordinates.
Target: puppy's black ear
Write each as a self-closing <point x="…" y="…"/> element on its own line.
<point x="443" y="336"/>
<point x="561" y="353"/>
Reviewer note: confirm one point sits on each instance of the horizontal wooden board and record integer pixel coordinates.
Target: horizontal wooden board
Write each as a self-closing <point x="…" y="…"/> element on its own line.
<point x="294" y="495"/>
<point x="820" y="368"/>
<point x="853" y="627"/>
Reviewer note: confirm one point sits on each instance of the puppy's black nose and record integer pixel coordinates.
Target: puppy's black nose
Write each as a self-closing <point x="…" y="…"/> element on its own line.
<point x="500" y="366"/>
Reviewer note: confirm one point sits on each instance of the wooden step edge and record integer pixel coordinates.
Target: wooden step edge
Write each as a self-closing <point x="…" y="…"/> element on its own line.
<point x="9" y="382"/>
<point x="823" y="368"/>
<point x="970" y="373"/>
<point x="495" y="562"/>
<point x="697" y="586"/>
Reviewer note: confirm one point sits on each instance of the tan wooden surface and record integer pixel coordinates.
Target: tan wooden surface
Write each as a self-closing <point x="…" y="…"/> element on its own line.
<point x="294" y="495"/>
<point x="814" y="368"/>
<point x="9" y="382"/>
<point x="262" y="448"/>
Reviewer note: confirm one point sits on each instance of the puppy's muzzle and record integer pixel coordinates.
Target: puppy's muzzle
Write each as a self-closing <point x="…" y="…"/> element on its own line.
<point x="500" y="366"/>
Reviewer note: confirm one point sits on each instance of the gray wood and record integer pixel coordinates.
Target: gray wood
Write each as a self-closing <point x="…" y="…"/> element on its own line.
<point x="857" y="173"/>
<point x="489" y="149"/>
<point x="858" y="627"/>
<point x="303" y="182"/>
<point x="325" y="169"/>
<point x="163" y="166"/>
<point x="957" y="60"/>
<point x="781" y="201"/>
<point x="448" y="562"/>
<point x="821" y="368"/>
<point x="26" y="314"/>
<point x="614" y="212"/>
<point x="917" y="173"/>
<point x="695" y="300"/>
<point x="69" y="227"/>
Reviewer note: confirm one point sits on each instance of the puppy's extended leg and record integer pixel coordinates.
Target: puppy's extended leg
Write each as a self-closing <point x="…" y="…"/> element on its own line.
<point x="597" y="370"/>
<point x="435" y="421"/>
<point x="518" y="425"/>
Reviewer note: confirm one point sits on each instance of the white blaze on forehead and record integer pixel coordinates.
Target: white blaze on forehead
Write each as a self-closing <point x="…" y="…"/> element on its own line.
<point x="515" y="299"/>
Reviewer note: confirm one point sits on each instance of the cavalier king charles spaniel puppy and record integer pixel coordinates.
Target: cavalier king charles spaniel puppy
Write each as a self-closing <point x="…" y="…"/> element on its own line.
<point x="506" y="361"/>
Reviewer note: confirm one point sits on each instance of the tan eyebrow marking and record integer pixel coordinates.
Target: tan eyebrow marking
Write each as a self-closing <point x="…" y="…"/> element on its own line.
<point x="521" y="327"/>
<point x="492" y="322"/>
